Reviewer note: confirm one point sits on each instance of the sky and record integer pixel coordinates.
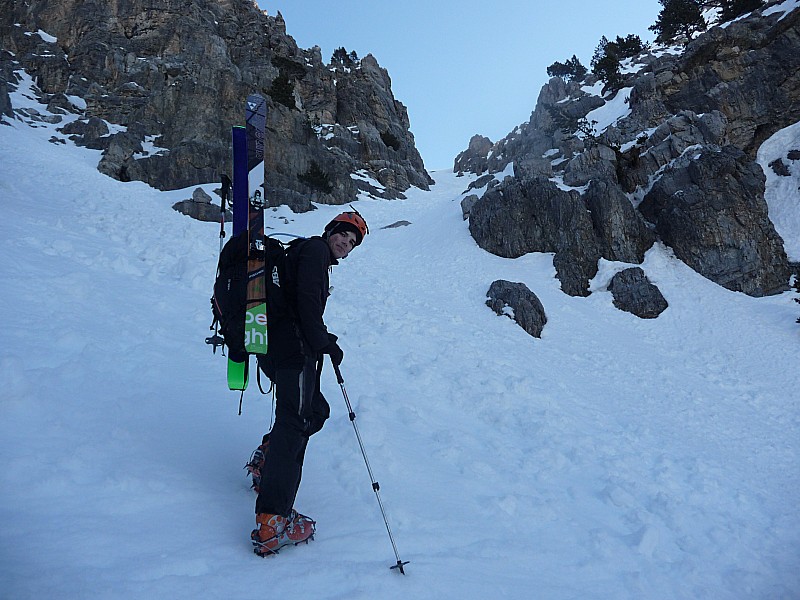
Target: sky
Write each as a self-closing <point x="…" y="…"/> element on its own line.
<point x="464" y="67"/>
<point x="612" y="458"/>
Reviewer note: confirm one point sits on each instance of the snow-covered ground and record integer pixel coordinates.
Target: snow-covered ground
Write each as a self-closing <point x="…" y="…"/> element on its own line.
<point x="612" y="458"/>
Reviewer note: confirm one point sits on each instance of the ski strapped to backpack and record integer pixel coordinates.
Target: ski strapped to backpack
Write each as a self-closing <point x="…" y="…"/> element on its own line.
<point x="248" y="222"/>
<point x="255" y="325"/>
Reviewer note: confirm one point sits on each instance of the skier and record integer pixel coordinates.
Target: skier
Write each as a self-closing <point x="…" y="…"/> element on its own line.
<point x="294" y="363"/>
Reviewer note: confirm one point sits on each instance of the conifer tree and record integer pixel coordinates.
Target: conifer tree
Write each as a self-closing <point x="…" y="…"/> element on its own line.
<point x="571" y="70"/>
<point x="344" y="58"/>
<point x="736" y="8"/>
<point x="605" y="63"/>
<point x="628" y="46"/>
<point x="282" y="90"/>
<point x="679" y="17"/>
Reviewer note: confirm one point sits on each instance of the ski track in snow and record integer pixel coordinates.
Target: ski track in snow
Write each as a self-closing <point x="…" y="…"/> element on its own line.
<point x="613" y="458"/>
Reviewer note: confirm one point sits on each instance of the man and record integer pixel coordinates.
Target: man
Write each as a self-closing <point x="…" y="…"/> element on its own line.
<point x="297" y="346"/>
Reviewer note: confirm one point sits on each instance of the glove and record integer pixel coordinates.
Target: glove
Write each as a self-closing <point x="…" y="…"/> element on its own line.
<point x="333" y="350"/>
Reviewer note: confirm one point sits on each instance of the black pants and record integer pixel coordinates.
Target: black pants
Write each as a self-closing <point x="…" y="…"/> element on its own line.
<point x="300" y="412"/>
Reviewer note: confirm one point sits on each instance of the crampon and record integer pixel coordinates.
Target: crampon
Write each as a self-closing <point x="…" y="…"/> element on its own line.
<point x="275" y="532"/>
<point x="256" y="463"/>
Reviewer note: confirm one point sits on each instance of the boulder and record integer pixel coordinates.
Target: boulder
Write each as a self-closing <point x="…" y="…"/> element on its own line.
<point x="202" y="211"/>
<point x="199" y="195"/>
<point x="634" y="293"/>
<point x="466" y="205"/>
<point x="515" y="218"/>
<point x="397" y="224"/>
<point x="517" y="302"/>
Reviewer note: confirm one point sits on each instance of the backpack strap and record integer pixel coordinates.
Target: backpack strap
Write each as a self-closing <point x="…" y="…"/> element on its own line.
<point x="258" y="381"/>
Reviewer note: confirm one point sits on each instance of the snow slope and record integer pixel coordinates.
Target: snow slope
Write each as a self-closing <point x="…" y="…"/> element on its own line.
<point x="613" y="458"/>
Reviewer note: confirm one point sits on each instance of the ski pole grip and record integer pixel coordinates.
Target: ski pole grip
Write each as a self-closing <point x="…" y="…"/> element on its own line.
<point x="339" y="377"/>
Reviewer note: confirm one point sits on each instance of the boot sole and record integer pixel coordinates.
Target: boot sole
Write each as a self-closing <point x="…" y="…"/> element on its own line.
<point x="263" y="552"/>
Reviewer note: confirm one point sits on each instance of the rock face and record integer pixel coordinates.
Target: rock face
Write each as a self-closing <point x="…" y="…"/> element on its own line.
<point x="536" y="216"/>
<point x="175" y="75"/>
<point x="622" y="233"/>
<point x="525" y="307"/>
<point x="710" y="209"/>
<point x="634" y="293"/>
<point x="685" y="142"/>
<point x="475" y="158"/>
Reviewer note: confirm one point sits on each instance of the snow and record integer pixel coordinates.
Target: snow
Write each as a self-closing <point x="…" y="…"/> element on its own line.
<point x="508" y="171"/>
<point x="77" y="102"/>
<point x="44" y="35"/>
<point x="612" y="111"/>
<point x="367" y="177"/>
<point x="629" y="65"/>
<point x="783" y="193"/>
<point x="324" y="131"/>
<point x="784" y="7"/>
<point x="149" y="148"/>
<point x="612" y="458"/>
<point x="594" y="90"/>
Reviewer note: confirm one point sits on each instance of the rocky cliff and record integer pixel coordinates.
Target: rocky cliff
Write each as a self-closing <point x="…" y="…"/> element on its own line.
<point x="159" y="83"/>
<point x="668" y="155"/>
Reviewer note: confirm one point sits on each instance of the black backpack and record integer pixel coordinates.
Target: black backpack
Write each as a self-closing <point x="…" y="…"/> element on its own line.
<point x="230" y="291"/>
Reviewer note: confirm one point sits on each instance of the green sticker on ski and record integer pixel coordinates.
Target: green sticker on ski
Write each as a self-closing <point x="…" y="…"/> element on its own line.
<point x="255" y="329"/>
<point x="238" y="374"/>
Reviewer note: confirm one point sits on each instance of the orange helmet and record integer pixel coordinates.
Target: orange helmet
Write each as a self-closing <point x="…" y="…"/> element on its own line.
<point x="348" y="221"/>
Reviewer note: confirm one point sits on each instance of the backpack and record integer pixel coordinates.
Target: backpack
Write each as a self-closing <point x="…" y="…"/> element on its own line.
<point x="229" y="301"/>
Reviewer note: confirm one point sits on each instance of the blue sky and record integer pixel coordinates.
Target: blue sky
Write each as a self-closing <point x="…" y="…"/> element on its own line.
<point x="463" y="67"/>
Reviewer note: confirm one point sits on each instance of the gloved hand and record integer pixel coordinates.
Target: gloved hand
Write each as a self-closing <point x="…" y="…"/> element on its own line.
<point x="333" y="350"/>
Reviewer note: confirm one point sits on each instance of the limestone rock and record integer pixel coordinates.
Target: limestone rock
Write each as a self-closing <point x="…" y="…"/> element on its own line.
<point x="516" y="217"/>
<point x="466" y="205"/>
<point x="475" y="159"/>
<point x="397" y="224"/>
<point x="710" y="208"/>
<point x="634" y="293"/>
<point x="730" y="87"/>
<point x="519" y="303"/>
<point x="622" y="233"/>
<point x="199" y="195"/>
<point x="180" y="71"/>
<point x="202" y="211"/>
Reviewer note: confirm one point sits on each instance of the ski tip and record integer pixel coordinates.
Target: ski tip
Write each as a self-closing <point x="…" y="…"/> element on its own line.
<point x="399" y="566"/>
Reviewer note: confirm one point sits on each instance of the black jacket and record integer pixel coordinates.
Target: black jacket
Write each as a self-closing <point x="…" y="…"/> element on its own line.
<point x="306" y="288"/>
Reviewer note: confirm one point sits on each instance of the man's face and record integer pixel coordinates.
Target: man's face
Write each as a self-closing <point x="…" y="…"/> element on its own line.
<point x="342" y="243"/>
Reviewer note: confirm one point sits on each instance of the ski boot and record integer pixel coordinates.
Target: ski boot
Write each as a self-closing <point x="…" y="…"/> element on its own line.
<point x="276" y="531"/>
<point x="256" y="463"/>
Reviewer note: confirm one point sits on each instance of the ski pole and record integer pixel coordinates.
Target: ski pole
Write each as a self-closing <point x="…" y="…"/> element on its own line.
<point x="375" y="486"/>
<point x="217" y="340"/>
<point x="224" y="195"/>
